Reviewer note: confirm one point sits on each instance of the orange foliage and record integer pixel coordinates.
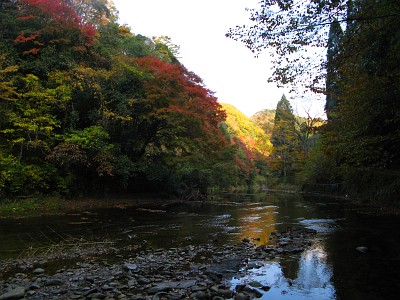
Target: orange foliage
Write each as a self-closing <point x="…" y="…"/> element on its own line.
<point x="179" y="98"/>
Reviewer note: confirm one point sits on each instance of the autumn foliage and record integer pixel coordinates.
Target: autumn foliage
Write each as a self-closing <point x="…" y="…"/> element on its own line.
<point x="51" y="22"/>
<point x="90" y="108"/>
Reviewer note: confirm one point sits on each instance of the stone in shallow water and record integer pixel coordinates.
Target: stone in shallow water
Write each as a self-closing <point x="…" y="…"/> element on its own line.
<point x="38" y="271"/>
<point x="129" y="266"/>
<point x="97" y="296"/>
<point x="255" y="284"/>
<point x="241" y="296"/>
<point x="53" y="282"/>
<point x="17" y="292"/>
<point x="362" y="249"/>
<point x="164" y="286"/>
<point x="200" y="295"/>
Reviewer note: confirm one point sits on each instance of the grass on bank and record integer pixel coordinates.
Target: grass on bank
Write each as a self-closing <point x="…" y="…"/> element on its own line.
<point x="44" y="205"/>
<point x="30" y="206"/>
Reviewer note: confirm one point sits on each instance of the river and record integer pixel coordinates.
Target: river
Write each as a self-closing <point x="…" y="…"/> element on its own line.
<point x="331" y="268"/>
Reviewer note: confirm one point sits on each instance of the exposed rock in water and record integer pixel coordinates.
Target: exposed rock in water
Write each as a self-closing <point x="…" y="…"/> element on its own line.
<point x="14" y="292"/>
<point x="362" y="249"/>
<point x="174" y="273"/>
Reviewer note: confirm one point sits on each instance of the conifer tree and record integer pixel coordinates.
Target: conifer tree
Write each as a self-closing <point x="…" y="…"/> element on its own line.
<point x="284" y="139"/>
<point x="332" y="76"/>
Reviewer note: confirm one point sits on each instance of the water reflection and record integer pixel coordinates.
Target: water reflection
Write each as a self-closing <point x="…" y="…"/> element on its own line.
<point x="320" y="225"/>
<point x="257" y="222"/>
<point x="331" y="266"/>
<point x="311" y="280"/>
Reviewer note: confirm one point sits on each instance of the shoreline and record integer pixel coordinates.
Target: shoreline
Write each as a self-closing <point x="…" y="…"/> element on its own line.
<point x="33" y="207"/>
<point x="194" y="272"/>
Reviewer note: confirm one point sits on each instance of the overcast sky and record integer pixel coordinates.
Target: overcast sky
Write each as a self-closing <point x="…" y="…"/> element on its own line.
<point x="227" y="67"/>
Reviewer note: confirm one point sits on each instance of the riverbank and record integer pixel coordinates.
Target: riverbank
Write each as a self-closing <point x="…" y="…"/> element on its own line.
<point x="201" y="272"/>
<point x="39" y="206"/>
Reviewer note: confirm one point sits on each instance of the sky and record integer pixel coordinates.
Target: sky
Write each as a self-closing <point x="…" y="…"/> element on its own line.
<point x="226" y="66"/>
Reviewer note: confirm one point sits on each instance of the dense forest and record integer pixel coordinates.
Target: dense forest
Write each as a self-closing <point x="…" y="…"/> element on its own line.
<point x="90" y="108"/>
<point x="357" y="152"/>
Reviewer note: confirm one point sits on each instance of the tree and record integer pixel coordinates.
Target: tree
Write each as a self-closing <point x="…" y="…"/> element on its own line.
<point x="177" y="121"/>
<point x="332" y="74"/>
<point x="284" y="139"/>
<point x="167" y="49"/>
<point x="96" y="12"/>
<point x="88" y="107"/>
<point x="251" y="145"/>
<point x="48" y="23"/>
<point x="296" y="33"/>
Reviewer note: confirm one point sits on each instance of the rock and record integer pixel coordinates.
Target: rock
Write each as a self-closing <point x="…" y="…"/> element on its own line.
<point x="186" y="284"/>
<point x="129" y="267"/>
<point x="106" y="287"/>
<point x="176" y="273"/>
<point x="53" y="282"/>
<point x="241" y="296"/>
<point x="198" y="288"/>
<point x="132" y="282"/>
<point x="251" y="291"/>
<point x="254" y="265"/>
<point x="200" y="295"/>
<point x="165" y="286"/>
<point x="34" y="286"/>
<point x="225" y="293"/>
<point x="255" y="284"/>
<point x="17" y="292"/>
<point x="362" y="249"/>
<point x="159" y="296"/>
<point x="90" y="291"/>
<point x="239" y="287"/>
<point x="97" y="296"/>
<point x="20" y="275"/>
<point x="143" y="280"/>
<point x="38" y="271"/>
<point x="294" y="249"/>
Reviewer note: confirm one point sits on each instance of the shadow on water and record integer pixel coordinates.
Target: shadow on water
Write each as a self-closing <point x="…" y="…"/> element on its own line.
<point x="331" y="268"/>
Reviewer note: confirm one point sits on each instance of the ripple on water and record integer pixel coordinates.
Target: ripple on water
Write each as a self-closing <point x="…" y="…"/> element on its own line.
<point x="320" y="225"/>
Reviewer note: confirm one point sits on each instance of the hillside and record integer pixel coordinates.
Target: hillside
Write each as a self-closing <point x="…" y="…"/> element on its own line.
<point x="247" y="131"/>
<point x="265" y="120"/>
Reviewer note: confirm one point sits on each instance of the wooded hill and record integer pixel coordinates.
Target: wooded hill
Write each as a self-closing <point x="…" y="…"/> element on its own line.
<point x="88" y="107"/>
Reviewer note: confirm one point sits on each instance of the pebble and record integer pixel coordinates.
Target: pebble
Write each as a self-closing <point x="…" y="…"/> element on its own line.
<point x="172" y="273"/>
<point x="38" y="271"/>
<point x="362" y="249"/>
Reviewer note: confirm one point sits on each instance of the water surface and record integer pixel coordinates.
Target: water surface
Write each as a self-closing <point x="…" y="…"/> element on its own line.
<point x="331" y="268"/>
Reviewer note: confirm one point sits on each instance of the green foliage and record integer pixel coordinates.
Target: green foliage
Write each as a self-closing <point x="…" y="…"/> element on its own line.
<point x="265" y="120"/>
<point x="31" y="206"/>
<point x="363" y="134"/>
<point x="284" y="139"/>
<point x="8" y="170"/>
<point x="91" y="138"/>
<point x="21" y="179"/>
<point x="358" y="146"/>
<point x="319" y="168"/>
<point x="332" y="74"/>
<point x="89" y="107"/>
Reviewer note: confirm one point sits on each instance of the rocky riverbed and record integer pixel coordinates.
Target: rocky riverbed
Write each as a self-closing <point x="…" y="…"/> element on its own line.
<point x="190" y="272"/>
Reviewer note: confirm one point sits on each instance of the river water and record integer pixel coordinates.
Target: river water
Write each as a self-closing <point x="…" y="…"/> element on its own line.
<point x="331" y="268"/>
